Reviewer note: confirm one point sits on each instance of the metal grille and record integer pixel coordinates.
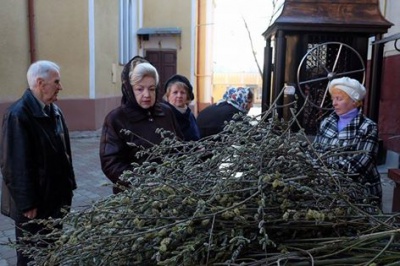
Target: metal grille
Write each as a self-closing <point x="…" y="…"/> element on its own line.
<point x="318" y="63"/>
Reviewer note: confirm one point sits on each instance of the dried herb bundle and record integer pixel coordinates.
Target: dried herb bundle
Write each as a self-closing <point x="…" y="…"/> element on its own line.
<point x="252" y="195"/>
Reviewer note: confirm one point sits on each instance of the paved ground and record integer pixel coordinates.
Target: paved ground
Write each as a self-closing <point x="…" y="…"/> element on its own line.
<point x="92" y="185"/>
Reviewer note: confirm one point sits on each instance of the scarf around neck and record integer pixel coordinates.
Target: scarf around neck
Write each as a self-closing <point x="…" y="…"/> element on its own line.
<point x="345" y="119"/>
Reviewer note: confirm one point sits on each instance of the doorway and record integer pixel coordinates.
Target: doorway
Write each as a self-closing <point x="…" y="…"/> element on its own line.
<point x="165" y="63"/>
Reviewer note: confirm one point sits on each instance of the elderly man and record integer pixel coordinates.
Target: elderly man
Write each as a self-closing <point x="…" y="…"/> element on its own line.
<point x="35" y="154"/>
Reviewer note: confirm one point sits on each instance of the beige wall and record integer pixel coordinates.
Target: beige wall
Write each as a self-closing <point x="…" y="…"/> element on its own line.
<point x="81" y="39"/>
<point x="205" y="61"/>
<point x="85" y="43"/>
<point x="62" y="36"/>
<point x="14" y="49"/>
<point x="173" y="13"/>
<point x="106" y="54"/>
<point x="68" y="42"/>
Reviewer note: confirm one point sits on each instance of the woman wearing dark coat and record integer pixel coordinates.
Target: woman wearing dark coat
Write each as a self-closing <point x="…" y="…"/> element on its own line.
<point x="178" y="95"/>
<point x="211" y="120"/>
<point x="141" y="114"/>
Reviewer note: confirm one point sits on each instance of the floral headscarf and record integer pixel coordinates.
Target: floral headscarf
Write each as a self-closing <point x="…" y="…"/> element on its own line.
<point x="237" y="97"/>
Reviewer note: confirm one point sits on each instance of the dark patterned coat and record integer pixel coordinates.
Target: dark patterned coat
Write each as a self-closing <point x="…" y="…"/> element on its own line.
<point x="360" y="135"/>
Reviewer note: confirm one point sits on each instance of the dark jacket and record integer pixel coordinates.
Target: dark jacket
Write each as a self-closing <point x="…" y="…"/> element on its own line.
<point x="187" y="123"/>
<point x="35" y="160"/>
<point x="211" y="120"/>
<point x="116" y="150"/>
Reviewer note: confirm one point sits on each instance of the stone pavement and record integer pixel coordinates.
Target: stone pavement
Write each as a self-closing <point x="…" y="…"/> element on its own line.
<point x="92" y="185"/>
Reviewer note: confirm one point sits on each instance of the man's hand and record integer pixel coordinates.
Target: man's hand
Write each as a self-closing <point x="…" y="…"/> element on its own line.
<point x="31" y="214"/>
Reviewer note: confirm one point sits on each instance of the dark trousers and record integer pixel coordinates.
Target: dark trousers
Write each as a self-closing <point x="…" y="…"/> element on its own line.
<point x="22" y="228"/>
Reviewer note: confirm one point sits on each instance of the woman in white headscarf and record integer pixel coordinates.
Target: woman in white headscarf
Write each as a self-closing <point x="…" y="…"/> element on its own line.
<point x="354" y="136"/>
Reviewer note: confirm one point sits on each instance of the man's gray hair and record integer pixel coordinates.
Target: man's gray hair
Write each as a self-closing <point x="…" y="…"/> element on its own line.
<point x="40" y="69"/>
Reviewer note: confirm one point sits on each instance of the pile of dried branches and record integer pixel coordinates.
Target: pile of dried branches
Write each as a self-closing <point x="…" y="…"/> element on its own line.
<point x="252" y="195"/>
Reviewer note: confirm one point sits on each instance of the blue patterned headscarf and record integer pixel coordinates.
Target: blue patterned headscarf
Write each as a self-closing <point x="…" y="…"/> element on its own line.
<point x="237" y="97"/>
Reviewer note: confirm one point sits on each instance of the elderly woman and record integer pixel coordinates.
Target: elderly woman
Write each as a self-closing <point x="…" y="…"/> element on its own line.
<point x="350" y="132"/>
<point x="211" y="120"/>
<point x="139" y="113"/>
<point x="178" y="95"/>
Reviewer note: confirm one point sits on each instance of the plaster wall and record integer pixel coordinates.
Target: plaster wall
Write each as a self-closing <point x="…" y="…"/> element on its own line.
<point x="82" y="37"/>
<point x="14" y="49"/>
<point x="107" y="70"/>
<point x="164" y="13"/>
<point x="62" y="36"/>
